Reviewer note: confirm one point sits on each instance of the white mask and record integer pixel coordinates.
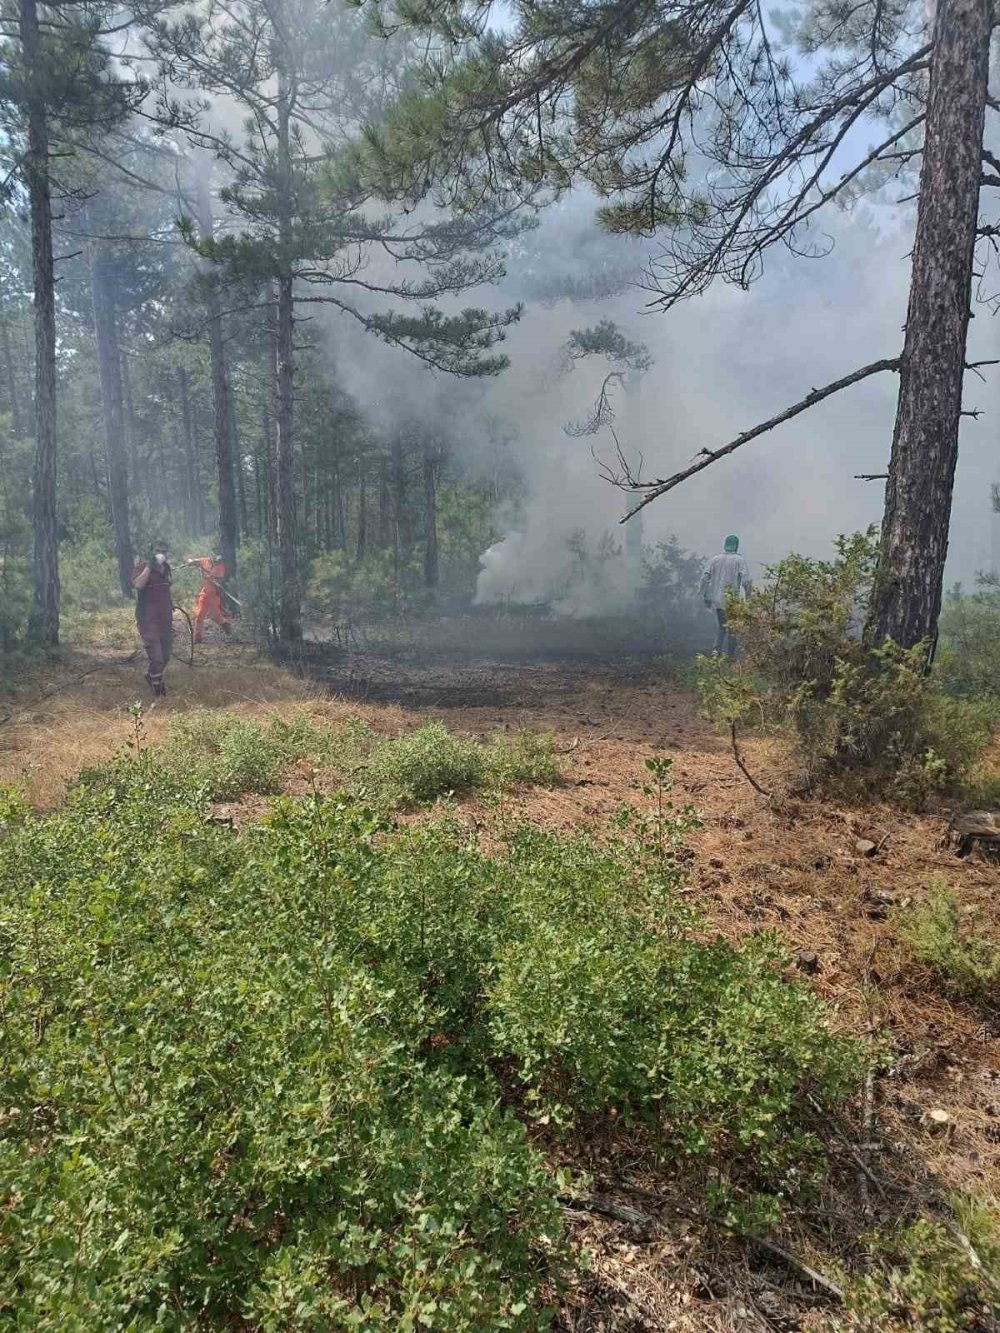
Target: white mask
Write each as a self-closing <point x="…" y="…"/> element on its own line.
<point x="161" y="559"/>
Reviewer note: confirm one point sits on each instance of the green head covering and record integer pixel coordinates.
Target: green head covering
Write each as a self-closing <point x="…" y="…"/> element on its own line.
<point x="732" y="544"/>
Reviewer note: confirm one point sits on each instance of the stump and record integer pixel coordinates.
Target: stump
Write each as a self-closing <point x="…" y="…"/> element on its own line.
<point x="977" y="828"/>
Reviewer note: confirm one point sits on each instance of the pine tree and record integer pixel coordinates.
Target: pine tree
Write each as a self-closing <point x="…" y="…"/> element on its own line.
<point x="57" y="85"/>
<point x="307" y="76"/>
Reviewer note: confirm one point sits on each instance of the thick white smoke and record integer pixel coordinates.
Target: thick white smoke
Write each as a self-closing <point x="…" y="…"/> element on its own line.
<point x="721" y="363"/>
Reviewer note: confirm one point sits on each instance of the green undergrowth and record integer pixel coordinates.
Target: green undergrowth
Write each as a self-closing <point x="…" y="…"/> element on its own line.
<point x="863" y="721"/>
<point x="300" y="1076"/>
<point x="226" y="756"/>
<point x="936" y="933"/>
<point x="930" y="1274"/>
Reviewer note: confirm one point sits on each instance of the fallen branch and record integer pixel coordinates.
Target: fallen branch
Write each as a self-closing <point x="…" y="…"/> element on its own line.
<point x="605" y="1207"/>
<point x="742" y="766"/>
<point x="851" y="1147"/>
<point x="867" y="1134"/>
<point x="654" y="489"/>
<point x="74" y="680"/>
<point x="793" y="1261"/>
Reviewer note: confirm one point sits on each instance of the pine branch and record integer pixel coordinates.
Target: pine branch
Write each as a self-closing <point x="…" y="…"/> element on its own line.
<point x="654" y="489"/>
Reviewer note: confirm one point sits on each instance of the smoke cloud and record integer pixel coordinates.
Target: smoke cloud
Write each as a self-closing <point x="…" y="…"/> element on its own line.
<point x="721" y="364"/>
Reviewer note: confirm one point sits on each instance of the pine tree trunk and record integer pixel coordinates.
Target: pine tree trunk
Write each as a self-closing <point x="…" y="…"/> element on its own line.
<point x="138" y="473"/>
<point x="221" y="409"/>
<point x="384" y="505"/>
<point x="289" y="612"/>
<point x="431" y="567"/>
<point x="196" y="508"/>
<point x="289" y="602"/>
<point x="238" y="472"/>
<point x="44" y="621"/>
<point x="109" y="364"/>
<point x="268" y="425"/>
<point x="914" y="545"/>
<point x="13" y="397"/>
<point x="361" y="548"/>
<point x="338" y="521"/>
<point x="260" y="502"/>
<point x="403" y="524"/>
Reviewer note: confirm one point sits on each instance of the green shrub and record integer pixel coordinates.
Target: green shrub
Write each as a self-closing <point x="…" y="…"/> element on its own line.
<point x="214" y="1114"/>
<point x="924" y="1277"/>
<point x="521" y="757"/>
<point x="423" y="765"/>
<point x="865" y="720"/>
<point x="278" y="1080"/>
<point x="968" y="963"/>
<point x="605" y="997"/>
<point x="969" y="651"/>
<point x="227" y="754"/>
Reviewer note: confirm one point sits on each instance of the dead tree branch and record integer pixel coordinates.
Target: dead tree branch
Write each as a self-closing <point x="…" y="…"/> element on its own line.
<point x="742" y="766"/>
<point x="647" y="1222"/>
<point x="652" y="490"/>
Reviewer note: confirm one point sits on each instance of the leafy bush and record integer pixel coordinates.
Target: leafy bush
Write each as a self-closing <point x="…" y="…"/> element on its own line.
<point x="864" y="719"/>
<point x="969" y="653"/>
<point x="254" y="1081"/>
<point x="603" y="998"/>
<point x="525" y="756"/>
<point x="967" y="963"/>
<point x="88" y="570"/>
<point x="670" y="584"/>
<point x="226" y="754"/>
<point x="215" y="1114"/>
<point x="924" y="1276"/>
<point x="423" y="765"/>
<point x="344" y="586"/>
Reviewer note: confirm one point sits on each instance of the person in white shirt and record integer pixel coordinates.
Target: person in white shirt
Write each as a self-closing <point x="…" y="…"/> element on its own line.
<point x="725" y="571"/>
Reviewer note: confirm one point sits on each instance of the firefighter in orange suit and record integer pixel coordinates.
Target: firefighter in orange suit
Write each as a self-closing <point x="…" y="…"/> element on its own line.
<point x="209" y="604"/>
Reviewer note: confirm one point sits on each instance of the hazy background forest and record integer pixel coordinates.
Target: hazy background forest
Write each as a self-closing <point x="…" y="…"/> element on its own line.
<point x="411" y="487"/>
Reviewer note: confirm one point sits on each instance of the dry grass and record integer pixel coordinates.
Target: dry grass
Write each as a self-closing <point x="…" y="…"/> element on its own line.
<point x="74" y="712"/>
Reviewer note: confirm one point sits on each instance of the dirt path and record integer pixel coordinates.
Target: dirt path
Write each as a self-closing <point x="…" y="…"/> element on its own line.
<point x="804" y="870"/>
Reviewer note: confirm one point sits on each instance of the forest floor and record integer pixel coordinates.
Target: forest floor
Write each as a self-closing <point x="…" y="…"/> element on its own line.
<point x="806" y="870"/>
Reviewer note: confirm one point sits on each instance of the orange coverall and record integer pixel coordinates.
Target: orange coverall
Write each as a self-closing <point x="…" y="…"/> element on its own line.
<point x="209" y="604"/>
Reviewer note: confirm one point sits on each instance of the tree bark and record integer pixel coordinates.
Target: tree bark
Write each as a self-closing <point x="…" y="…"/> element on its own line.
<point x="289" y="599"/>
<point x="44" y="620"/>
<point x="361" y="548"/>
<point x="402" y="521"/>
<point x="384" y="505"/>
<point x="289" y="613"/>
<point x="270" y="410"/>
<point x="239" y="474"/>
<point x="13" y="397"/>
<point x="196" y="507"/>
<point x="221" y="410"/>
<point x="109" y="364"/>
<point x="914" y="543"/>
<point x="431" y="564"/>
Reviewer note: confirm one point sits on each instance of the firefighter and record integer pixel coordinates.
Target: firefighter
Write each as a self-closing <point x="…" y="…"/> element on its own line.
<point x="209" y="605"/>
<point x="725" y="571"/>
<point x="154" y="609"/>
